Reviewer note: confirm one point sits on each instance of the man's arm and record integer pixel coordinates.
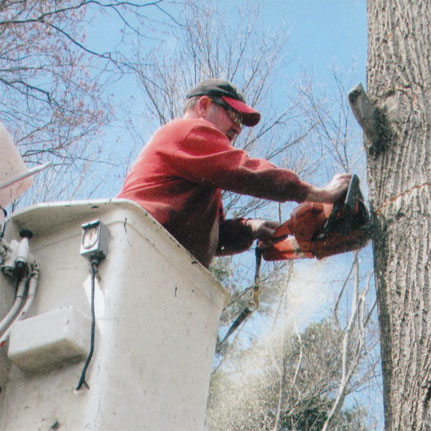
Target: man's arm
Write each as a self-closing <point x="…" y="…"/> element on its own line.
<point x="237" y="235"/>
<point x="205" y="155"/>
<point x="264" y="230"/>
<point x="333" y="191"/>
<point x="234" y="237"/>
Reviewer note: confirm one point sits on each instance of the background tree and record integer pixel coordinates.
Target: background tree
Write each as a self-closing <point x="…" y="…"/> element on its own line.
<point x="398" y="144"/>
<point x="52" y="81"/>
<point x="287" y="379"/>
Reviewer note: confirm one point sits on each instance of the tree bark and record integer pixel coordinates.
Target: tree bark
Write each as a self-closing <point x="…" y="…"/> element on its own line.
<point x="399" y="175"/>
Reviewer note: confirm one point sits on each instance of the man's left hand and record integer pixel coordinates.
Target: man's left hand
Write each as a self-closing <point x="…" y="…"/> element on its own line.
<point x="263" y="230"/>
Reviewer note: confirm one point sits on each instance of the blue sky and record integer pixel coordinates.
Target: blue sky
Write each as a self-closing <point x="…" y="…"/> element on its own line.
<point x="323" y="36"/>
<point x="323" y="33"/>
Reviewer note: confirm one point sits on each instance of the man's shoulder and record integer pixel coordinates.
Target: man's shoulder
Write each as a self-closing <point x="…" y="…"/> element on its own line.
<point x="181" y="128"/>
<point x="187" y="124"/>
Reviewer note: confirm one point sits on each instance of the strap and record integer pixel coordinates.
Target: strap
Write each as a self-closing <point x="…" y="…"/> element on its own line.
<point x="253" y="305"/>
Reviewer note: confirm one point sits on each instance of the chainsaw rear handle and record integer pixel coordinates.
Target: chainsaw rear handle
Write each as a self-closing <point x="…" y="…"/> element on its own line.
<point x="348" y="202"/>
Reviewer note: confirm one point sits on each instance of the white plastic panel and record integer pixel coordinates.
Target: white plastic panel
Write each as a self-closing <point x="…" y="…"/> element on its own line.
<point x="50" y="340"/>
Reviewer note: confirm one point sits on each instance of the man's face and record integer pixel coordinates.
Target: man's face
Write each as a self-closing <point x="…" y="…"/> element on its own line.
<point x="227" y="122"/>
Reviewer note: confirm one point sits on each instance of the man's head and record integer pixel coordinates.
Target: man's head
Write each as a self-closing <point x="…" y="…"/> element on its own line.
<point x="221" y="103"/>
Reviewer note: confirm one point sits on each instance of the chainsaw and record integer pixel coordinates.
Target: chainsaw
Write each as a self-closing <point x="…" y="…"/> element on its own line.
<point x="323" y="229"/>
<point x="319" y="230"/>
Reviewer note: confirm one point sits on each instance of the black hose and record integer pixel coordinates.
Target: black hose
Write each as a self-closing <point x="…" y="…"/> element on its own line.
<point x="4" y="224"/>
<point x="94" y="266"/>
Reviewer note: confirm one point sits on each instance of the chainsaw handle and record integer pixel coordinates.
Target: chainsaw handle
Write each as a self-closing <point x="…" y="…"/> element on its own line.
<point x="282" y="232"/>
<point x="348" y="201"/>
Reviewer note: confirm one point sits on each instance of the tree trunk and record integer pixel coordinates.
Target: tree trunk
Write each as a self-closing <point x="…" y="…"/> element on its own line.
<point x="399" y="175"/>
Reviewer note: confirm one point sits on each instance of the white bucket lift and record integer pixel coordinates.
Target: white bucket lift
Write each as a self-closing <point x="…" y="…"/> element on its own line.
<point x="157" y="312"/>
<point x="156" y="318"/>
<point x="126" y="343"/>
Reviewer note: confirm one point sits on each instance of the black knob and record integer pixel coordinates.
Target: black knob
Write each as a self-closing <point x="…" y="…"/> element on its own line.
<point x="25" y="233"/>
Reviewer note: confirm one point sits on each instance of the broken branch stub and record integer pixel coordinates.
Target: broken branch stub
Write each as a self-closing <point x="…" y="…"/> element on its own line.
<point x="364" y="111"/>
<point x="371" y="119"/>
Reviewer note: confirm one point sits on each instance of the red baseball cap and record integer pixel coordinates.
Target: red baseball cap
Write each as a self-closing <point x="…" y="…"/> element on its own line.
<point x="230" y="95"/>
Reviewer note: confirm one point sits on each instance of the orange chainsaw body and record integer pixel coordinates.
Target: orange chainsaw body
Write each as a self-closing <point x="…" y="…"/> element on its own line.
<point x="322" y="229"/>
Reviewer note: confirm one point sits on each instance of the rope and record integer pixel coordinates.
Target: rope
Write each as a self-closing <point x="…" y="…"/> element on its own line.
<point x="253" y="305"/>
<point x="257" y="287"/>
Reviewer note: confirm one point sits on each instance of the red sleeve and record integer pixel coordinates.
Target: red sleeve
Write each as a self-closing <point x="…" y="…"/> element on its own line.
<point x="234" y="237"/>
<point x="206" y="156"/>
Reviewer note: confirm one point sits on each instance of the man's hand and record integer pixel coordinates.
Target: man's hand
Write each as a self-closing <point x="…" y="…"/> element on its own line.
<point x="263" y="230"/>
<point x="332" y="192"/>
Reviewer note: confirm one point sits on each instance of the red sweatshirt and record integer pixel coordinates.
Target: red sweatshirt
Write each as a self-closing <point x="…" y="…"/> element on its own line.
<point x="179" y="176"/>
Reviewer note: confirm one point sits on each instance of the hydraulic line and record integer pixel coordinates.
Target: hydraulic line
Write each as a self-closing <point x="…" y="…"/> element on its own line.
<point x="9" y="318"/>
<point x="32" y="288"/>
<point x="31" y="283"/>
<point x="16" y="265"/>
<point x="3" y="225"/>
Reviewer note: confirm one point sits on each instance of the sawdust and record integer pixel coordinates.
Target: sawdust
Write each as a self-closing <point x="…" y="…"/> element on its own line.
<point x="247" y="391"/>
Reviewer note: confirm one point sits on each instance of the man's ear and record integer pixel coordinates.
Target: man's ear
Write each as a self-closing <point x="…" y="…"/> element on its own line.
<point x="203" y="105"/>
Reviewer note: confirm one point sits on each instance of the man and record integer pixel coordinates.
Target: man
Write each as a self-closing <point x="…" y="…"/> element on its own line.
<point x="180" y="173"/>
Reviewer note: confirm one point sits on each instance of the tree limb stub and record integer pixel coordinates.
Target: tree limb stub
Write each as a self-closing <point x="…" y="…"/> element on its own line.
<point x="372" y="120"/>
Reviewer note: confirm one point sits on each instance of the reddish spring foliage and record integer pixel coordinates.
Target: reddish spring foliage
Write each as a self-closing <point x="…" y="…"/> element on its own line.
<point x="49" y="96"/>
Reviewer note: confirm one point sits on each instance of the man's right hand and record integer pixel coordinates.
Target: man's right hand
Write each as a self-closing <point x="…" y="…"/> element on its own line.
<point x="332" y="192"/>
